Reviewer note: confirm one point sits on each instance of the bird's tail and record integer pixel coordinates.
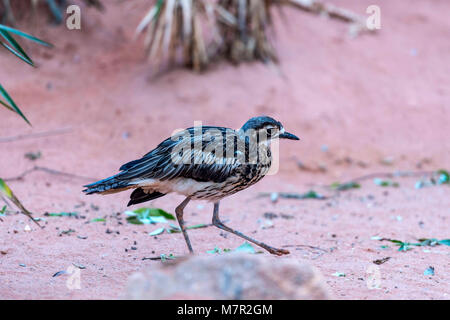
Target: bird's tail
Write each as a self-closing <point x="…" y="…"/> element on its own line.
<point x="108" y="185"/>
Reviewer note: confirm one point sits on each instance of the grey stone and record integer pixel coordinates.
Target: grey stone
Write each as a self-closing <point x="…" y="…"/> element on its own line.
<point x="228" y="276"/>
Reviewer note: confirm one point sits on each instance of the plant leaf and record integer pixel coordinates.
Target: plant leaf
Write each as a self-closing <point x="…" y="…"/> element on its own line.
<point x="156" y="232"/>
<point x="245" y="247"/>
<point x="6" y="191"/>
<point x="444" y="177"/>
<point x="444" y="242"/>
<point x="62" y="214"/>
<point x="25" y="35"/>
<point x="16" y="48"/>
<point x="345" y="186"/>
<point x="12" y="104"/>
<point x="56" y="11"/>
<point x="385" y="183"/>
<point x="429" y="271"/>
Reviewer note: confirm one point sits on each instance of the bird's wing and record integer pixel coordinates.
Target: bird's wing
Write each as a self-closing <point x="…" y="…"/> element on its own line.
<point x="203" y="157"/>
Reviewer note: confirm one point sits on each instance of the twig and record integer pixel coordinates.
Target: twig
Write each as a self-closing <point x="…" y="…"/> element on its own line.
<point x="379" y="175"/>
<point x="47" y="170"/>
<point x="36" y="135"/>
<point x="333" y="11"/>
<point x="304" y="245"/>
<point x="393" y="175"/>
<point x="318" y="255"/>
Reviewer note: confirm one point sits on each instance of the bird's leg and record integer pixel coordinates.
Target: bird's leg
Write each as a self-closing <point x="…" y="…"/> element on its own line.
<point x="179" y="213"/>
<point x="216" y="222"/>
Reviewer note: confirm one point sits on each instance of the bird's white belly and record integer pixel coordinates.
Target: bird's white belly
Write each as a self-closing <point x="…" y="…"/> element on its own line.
<point x="183" y="186"/>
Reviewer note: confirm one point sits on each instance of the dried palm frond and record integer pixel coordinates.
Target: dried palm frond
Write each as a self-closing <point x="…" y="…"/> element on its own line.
<point x="239" y="28"/>
<point x="244" y="26"/>
<point x="176" y="26"/>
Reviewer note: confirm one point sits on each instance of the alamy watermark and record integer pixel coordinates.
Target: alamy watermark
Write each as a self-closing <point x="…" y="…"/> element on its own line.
<point x="222" y="146"/>
<point x="373" y="280"/>
<point x="373" y="22"/>
<point x="74" y="280"/>
<point x="73" y="21"/>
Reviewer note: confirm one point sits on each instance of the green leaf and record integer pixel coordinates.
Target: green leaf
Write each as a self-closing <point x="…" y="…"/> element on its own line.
<point x="5" y="190"/>
<point x="245" y="247"/>
<point x="165" y="257"/>
<point x="345" y="186"/>
<point x="24" y="35"/>
<point x="156" y="232"/>
<point x="148" y="216"/>
<point x="15" y="48"/>
<point x="176" y="229"/>
<point x="338" y="274"/>
<point x="98" y="220"/>
<point x="62" y="214"/>
<point x="7" y="47"/>
<point x="152" y="212"/>
<point x="215" y="250"/>
<point x="12" y="105"/>
<point x="405" y="246"/>
<point x="385" y="183"/>
<point x="429" y="271"/>
<point x="312" y="195"/>
<point x="55" y="10"/>
<point x="444" y="242"/>
<point x="2" y="212"/>
<point x="197" y="226"/>
<point x="444" y="177"/>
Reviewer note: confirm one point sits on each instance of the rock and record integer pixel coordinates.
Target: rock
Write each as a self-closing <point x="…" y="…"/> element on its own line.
<point x="228" y="276"/>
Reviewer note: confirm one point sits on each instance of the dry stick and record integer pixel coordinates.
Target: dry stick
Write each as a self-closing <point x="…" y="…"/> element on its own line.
<point x="47" y="170"/>
<point x="36" y="135"/>
<point x="333" y="11"/>
<point x="393" y="175"/>
<point x="323" y="251"/>
<point x="382" y="174"/>
<point x="303" y="245"/>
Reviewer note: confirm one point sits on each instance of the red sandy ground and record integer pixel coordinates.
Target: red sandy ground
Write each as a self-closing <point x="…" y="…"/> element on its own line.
<point x="366" y="99"/>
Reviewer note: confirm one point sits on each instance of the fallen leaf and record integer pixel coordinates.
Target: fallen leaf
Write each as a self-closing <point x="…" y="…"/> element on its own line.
<point x="338" y="274"/>
<point x="429" y="271"/>
<point x="381" y="261"/>
<point x="156" y="232"/>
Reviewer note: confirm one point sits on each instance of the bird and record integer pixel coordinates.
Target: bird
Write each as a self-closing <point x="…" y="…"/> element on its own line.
<point x="201" y="163"/>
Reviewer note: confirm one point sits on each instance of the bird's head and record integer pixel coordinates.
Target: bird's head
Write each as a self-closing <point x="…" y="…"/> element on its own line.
<point x="266" y="126"/>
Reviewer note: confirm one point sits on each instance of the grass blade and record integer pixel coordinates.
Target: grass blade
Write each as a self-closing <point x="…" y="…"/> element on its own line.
<point x="17" y="54"/>
<point x="56" y="11"/>
<point x="12" y="104"/>
<point x="7" y="192"/>
<point x="16" y="46"/>
<point x="25" y="35"/>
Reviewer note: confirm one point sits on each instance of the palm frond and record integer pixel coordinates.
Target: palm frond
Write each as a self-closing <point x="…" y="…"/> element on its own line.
<point x="239" y="28"/>
<point x="13" y="46"/>
<point x="6" y="193"/>
<point x="175" y="26"/>
<point x="10" y="104"/>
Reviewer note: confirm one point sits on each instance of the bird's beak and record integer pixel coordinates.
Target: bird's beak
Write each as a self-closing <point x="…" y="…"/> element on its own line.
<point x="287" y="135"/>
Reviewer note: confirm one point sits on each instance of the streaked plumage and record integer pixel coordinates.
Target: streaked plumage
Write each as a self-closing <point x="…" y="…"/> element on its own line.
<point x="203" y="163"/>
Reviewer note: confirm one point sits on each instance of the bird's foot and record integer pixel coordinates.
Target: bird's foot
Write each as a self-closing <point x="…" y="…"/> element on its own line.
<point x="278" y="252"/>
